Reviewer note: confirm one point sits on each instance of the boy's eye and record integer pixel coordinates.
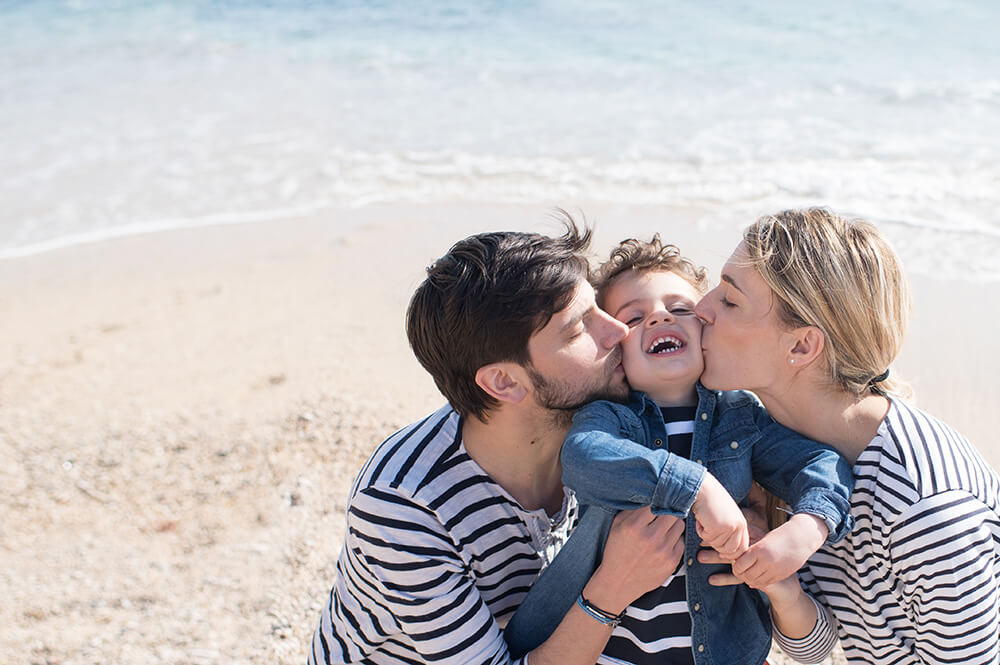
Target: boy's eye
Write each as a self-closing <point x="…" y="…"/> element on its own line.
<point x="681" y="310"/>
<point x="632" y="320"/>
<point x="726" y="303"/>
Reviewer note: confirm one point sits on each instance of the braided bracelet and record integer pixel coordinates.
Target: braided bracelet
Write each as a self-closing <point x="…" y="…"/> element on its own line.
<point x="596" y="613"/>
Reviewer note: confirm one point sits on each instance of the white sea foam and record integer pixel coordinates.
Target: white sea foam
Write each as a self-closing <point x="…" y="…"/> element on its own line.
<point x="158" y="225"/>
<point x="134" y="118"/>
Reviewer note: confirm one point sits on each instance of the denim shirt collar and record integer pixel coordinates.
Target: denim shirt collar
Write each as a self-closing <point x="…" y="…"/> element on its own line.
<point x="706" y="399"/>
<point x="643" y="405"/>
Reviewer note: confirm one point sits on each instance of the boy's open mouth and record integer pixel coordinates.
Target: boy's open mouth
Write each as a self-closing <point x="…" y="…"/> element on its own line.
<point x="665" y="344"/>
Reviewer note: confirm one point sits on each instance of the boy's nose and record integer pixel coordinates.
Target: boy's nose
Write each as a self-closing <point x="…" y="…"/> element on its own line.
<point x="658" y="317"/>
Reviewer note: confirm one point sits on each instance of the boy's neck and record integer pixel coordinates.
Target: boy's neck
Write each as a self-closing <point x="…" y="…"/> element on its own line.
<point x="673" y="395"/>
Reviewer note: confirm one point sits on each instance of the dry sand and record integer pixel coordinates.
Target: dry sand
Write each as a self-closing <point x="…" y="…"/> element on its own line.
<point x="181" y="415"/>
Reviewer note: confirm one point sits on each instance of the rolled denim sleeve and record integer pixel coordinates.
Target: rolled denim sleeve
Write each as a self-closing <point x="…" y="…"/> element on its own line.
<point x="604" y="464"/>
<point x="829" y="507"/>
<point x="810" y="476"/>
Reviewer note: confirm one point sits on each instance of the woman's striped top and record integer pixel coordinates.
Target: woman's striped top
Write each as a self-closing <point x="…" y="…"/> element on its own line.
<point x="436" y="556"/>
<point x="917" y="582"/>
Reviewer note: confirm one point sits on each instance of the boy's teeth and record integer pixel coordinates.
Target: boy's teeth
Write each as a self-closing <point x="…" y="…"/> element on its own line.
<point x="664" y="345"/>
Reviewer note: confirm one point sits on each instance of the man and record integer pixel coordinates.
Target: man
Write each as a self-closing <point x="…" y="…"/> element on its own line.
<point x="453" y="517"/>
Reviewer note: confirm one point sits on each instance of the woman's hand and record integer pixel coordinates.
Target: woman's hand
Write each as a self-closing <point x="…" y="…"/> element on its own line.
<point x="785" y="588"/>
<point x="781" y="552"/>
<point x="757" y="529"/>
<point x="793" y="612"/>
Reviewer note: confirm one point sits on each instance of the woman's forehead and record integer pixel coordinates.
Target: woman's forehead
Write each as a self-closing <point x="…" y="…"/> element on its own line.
<point x="739" y="273"/>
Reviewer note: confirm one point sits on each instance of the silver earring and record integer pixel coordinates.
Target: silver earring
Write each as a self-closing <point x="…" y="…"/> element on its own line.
<point x="792" y="361"/>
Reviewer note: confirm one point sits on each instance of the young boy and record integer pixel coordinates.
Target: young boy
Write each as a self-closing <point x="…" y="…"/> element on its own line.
<point x="689" y="452"/>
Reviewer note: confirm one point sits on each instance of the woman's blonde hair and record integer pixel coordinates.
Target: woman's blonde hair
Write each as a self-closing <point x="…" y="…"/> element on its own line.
<point x="841" y="276"/>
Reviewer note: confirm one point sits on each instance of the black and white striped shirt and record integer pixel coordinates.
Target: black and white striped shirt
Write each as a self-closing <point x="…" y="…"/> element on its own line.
<point x="917" y="582"/>
<point x="657" y="626"/>
<point x="437" y="556"/>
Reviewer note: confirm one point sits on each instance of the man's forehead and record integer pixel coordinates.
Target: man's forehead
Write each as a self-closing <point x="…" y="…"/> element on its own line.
<point x="580" y="302"/>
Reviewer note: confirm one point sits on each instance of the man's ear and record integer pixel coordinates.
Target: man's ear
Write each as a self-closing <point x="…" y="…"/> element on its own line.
<point x="504" y="381"/>
<point x="809" y="342"/>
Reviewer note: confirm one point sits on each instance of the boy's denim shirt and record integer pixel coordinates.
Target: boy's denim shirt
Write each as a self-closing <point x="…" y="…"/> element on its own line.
<point x="615" y="458"/>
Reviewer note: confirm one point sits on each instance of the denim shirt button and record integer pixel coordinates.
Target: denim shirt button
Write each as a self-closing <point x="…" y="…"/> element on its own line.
<point x="704" y="416"/>
<point x="690" y="561"/>
<point x="734" y="445"/>
<point x="698" y="461"/>
<point x="658" y="442"/>
<point x="701" y="648"/>
<point x="697" y="607"/>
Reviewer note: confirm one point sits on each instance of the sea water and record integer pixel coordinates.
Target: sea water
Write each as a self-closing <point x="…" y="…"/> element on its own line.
<point x="125" y="117"/>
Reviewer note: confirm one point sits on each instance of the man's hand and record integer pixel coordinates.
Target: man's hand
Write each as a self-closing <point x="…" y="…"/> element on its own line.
<point x="720" y="522"/>
<point x="643" y="550"/>
<point x="780" y="553"/>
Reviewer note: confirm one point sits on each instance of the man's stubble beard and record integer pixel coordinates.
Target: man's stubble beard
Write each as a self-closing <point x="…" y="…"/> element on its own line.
<point x="561" y="400"/>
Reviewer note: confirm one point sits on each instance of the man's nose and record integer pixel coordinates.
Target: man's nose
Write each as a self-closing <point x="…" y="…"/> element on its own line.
<point x="616" y="331"/>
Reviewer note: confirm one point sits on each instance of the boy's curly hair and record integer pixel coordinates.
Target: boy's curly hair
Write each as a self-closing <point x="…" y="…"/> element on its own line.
<point x="638" y="256"/>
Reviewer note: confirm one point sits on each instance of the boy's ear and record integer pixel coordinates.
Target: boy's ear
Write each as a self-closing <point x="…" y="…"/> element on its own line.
<point x="809" y="342"/>
<point x="504" y="381"/>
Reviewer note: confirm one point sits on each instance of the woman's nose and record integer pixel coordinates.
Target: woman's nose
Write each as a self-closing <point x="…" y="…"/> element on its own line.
<point x="703" y="311"/>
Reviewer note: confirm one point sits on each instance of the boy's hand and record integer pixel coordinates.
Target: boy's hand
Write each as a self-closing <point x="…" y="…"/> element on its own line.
<point x="780" y="553"/>
<point x="720" y="522"/>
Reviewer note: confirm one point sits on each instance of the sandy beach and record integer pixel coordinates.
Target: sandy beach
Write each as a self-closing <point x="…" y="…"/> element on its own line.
<point x="182" y="413"/>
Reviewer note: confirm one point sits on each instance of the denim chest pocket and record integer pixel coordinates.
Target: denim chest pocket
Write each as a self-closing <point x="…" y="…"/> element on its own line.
<point x="729" y="460"/>
<point x="631" y="428"/>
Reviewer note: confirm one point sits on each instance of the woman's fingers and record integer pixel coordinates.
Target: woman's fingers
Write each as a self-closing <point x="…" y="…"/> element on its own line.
<point x="746" y="570"/>
<point x="745" y="563"/>
<point x="718" y="579"/>
<point x="708" y="555"/>
<point x="723" y="579"/>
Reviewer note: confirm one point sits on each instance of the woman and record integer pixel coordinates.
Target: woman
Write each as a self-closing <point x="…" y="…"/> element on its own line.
<point x="809" y="315"/>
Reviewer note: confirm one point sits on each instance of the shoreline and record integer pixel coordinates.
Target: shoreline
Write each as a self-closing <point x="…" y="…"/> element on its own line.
<point x="914" y="240"/>
<point x="183" y="413"/>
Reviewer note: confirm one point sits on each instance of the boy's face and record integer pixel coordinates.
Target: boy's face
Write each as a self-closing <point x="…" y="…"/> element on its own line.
<point x="662" y="352"/>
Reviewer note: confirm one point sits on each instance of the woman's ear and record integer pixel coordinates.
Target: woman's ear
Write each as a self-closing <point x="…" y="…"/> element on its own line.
<point x="503" y="381"/>
<point x="808" y="345"/>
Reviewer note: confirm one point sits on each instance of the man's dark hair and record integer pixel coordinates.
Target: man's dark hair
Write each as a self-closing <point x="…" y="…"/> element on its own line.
<point x="482" y="301"/>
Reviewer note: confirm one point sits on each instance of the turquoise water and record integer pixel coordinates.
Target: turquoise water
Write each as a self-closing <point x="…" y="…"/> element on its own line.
<point x="124" y="117"/>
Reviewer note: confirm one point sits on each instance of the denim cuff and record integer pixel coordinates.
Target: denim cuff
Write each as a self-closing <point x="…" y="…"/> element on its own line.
<point x="677" y="487"/>
<point x="829" y="507"/>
